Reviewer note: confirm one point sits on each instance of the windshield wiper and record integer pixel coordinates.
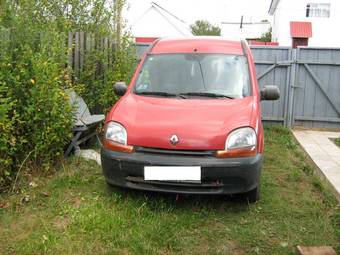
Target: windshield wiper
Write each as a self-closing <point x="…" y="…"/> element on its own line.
<point x="159" y="93"/>
<point x="206" y="94"/>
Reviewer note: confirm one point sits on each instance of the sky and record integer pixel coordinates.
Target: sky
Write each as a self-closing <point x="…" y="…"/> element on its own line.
<point x="215" y="11"/>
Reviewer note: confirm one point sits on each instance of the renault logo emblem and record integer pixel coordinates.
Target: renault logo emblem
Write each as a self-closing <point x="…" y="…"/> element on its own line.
<point x="174" y="139"/>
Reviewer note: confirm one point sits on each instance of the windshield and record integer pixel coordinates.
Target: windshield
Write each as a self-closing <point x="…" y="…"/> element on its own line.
<point x="194" y="75"/>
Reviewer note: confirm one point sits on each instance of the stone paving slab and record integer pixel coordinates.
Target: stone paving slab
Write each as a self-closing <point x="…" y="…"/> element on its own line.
<point x="320" y="250"/>
<point x="90" y="155"/>
<point x="324" y="153"/>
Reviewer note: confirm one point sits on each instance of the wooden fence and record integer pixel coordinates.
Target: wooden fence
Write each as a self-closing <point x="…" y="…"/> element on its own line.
<point x="81" y="45"/>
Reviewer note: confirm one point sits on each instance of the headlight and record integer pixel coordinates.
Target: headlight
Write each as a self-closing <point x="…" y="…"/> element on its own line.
<point x="116" y="132"/>
<point x="241" y="138"/>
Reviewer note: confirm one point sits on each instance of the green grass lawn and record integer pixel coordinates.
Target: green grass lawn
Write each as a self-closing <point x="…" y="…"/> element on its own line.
<point x="337" y="141"/>
<point x="74" y="212"/>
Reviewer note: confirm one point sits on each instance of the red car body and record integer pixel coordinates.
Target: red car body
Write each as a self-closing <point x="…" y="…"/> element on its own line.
<point x="201" y="124"/>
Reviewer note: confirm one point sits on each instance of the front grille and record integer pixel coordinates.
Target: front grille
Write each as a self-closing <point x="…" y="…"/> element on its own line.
<point x="175" y="152"/>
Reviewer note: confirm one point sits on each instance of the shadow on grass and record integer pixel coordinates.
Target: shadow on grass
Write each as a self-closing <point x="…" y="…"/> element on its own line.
<point x="160" y="200"/>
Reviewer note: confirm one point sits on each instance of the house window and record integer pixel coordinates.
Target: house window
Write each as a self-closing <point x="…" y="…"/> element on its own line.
<point x="318" y="10"/>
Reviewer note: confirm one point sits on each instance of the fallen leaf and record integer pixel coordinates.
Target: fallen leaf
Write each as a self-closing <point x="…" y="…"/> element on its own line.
<point x="45" y="194"/>
<point x="77" y="203"/>
<point x="284" y="244"/>
<point x="61" y="223"/>
<point x="25" y="199"/>
<point x="33" y="184"/>
<point x="4" y="205"/>
<point x="244" y="222"/>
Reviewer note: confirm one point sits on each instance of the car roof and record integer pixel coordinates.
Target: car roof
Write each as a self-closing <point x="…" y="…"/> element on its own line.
<point x="197" y="45"/>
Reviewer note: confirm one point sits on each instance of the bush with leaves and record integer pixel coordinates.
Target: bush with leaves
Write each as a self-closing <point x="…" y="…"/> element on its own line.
<point x="104" y="67"/>
<point x="35" y="116"/>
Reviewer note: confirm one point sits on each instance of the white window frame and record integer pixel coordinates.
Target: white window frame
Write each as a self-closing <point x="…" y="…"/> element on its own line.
<point x="318" y="10"/>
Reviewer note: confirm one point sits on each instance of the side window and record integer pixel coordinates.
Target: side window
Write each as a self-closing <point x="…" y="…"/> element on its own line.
<point x="144" y="82"/>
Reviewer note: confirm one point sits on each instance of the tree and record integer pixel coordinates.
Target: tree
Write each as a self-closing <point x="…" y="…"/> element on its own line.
<point x="203" y="27"/>
<point x="266" y="37"/>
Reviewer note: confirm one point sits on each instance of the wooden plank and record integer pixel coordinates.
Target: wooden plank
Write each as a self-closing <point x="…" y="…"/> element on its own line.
<point x="70" y="50"/>
<point x="322" y="87"/>
<point x="334" y="83"/>
<point x="81" y="50"/>
<point x="286" y="92"/>
<point x="321" y="119"/>
<point x="323" y="73"/>
<point x="269" y="118"/>
<point x="266" y="71"/>
<point x="277" y="63"/>
<point x="88" y="43"/>
<point x="316" y="62"/>
<point x="292" y="81"/>
<point x="76" y="55"/>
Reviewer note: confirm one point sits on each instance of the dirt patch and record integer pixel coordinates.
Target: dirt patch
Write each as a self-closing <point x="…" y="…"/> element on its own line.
<point x="4" y="205"/>
<point x="61" y="223"/>
<point x="77" y="202"/>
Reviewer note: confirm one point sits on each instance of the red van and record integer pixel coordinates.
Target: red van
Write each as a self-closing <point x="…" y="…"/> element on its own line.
<point x="189" y="122"/>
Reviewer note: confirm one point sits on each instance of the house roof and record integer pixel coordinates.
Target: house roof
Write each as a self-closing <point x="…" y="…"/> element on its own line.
<point x="198" y="44"/>
<point x="273" y="6"/>
<point x="159" y="22"/>
<point x="300" y="29"/>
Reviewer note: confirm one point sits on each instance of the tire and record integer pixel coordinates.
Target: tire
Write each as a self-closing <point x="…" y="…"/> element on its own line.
<point x="252" y="196"/>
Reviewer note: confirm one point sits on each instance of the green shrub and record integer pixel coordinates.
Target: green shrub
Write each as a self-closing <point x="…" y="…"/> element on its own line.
<point x="8" y="118"/>
<point x="103" y="68"/>
<point x="47" y="115"/>
<point x="337" y="141"/>
<point x="35" y="116"/>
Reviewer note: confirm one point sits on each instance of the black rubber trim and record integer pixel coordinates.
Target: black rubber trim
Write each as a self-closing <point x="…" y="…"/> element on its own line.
<point x="174" y="152"/>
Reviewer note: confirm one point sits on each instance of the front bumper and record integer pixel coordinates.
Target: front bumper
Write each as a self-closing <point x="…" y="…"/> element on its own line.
<point x="218" y="175"/>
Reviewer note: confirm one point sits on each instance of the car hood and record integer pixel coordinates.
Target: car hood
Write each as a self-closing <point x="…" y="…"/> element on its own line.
<point x="200" y="123"/>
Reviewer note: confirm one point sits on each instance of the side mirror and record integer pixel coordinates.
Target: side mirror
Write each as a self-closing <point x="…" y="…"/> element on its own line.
<point x="270" y="92"/>
<point x="120" y="88"/>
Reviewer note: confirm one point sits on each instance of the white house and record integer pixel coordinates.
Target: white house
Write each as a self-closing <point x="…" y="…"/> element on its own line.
<point x="155" y="22"/>
<point x="306" y="22"/>
<point x="244" y="30"/>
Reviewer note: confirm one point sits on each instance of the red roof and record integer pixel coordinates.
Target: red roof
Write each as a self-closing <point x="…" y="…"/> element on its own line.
<point x="260" y="43"/>
<point x="300" y="29"/>
<point x="145" y="39"/>
<point x="199" y="45"/>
